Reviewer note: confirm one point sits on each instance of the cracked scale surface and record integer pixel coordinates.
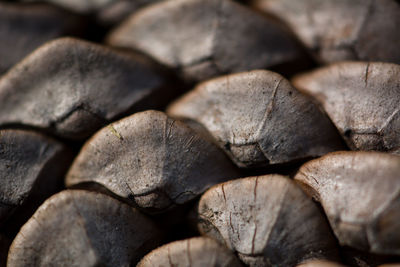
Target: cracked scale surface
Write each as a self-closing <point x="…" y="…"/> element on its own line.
<point x="362" y="99"/>
<point x="267" y="220"/>
<point x="81" y="228"/>
<point x="340" y="180"/>
<point x="337" y="30"/>
<point x="204" y="38"/>
<point x="258" y="118"/>
<point x="152" y="160"/>
<point x="86" y="86"/>
<point x="193" y="252"/>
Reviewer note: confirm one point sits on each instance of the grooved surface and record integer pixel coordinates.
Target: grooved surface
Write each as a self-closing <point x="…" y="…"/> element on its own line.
<point x="81" y="228"/>
<point x="267" y="221"/>
<point x="204" y="38"/>
<point x="362" y="99"/>
<point x="360" y="193"/>
<point x="258" y="118"/>
<point x="193" y="252"/>
<point x="152" y="159"/>
<point x="72" y="87"/>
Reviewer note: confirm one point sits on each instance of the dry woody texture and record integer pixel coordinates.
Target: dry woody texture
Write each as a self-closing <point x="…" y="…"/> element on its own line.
<point x="183" y="133"/>
<point x="362" y="99"/>
<point x="267" y="221"/>
<point x="86" y="86"/>
<point x="208" y="37"/>
<point x="258" y="118"/>
<point x="336" y="30"/>
<point x="154" y="160"/>
<point x="80" y="228"/>
<point x="339" y="180"/>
